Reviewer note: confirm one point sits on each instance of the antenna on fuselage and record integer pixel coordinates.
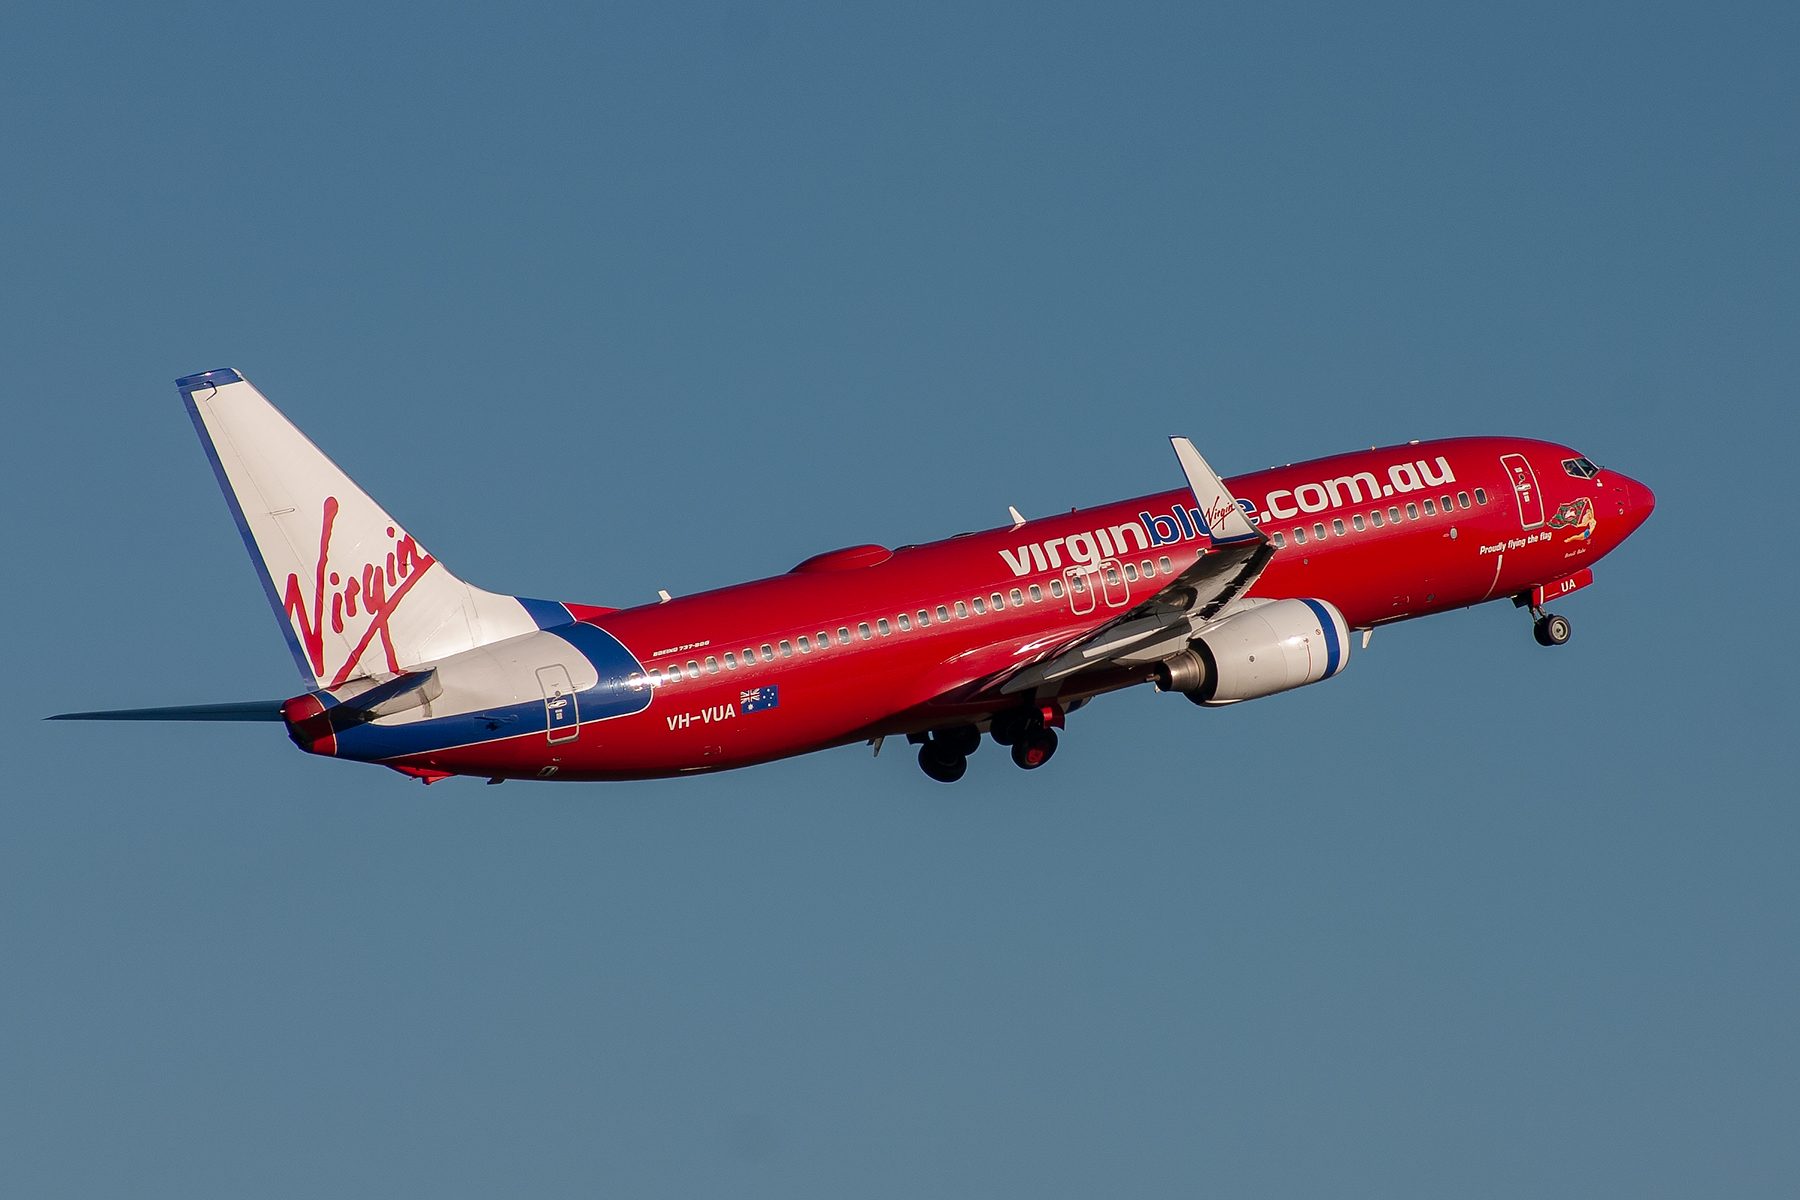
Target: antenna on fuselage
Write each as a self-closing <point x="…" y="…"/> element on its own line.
<point x="1017" y="519"/>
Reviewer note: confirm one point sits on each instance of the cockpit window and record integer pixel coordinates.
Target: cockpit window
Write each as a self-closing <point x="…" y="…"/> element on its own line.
<point x="1580" y="468"/>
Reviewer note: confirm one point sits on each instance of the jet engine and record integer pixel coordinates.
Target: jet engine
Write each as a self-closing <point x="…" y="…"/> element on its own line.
<point x="1275" y="646"/>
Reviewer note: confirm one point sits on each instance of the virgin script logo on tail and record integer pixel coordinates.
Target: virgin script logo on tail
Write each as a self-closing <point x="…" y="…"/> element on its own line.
<point x="368" y="597"/>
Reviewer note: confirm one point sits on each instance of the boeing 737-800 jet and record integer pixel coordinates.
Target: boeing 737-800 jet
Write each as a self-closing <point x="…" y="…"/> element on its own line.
<point x="1221" y="590"/>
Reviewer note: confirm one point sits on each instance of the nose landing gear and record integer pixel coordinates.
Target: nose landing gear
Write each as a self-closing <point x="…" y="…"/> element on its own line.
<point x="1550" y="629"/>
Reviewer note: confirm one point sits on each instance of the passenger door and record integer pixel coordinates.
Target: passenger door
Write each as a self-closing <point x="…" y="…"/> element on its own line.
<point x="1525" y="490"/>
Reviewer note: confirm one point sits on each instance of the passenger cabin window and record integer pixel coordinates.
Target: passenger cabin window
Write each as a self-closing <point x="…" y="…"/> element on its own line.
<point x="1394" y="515"/>
<point x="883" y="627"/>
<point x="1164" y="565"/>
<point x="843" y="635"/>
<point x="1356" y="522"/>
<point x="1430" y="509"/>
<point x="924" y="618"/>
<point x="1412" y="511"/>
<point x="693" y="669"/>
<point x="1017" y="599"/>
<point x="1462" y="499"/>
<point x="1481" y="495"/>
<point x="996" y="601"/>
<point x="1337" y="527"/>
<point x="787" y="648"/>
<point x="1148" y="568"/>
<point x="1079" y="583"/>
<point x="1037" y="593"/>
<point x="749" y="656"/>
<point x="979" y="606"/>
<point x="1319" y="532"/>
<point x="1444" y="503"/>
<point x="1112" y="575"/>
<point x="1130" y="573"/>
<point x="768" y="652"/>
<point x="943" y="614"/>
<point x="1056" y="588"/>
<point x="730" y="661"/>
<point x="905" y="622"/>
<point x="962" y="610"/>
<point x="712" y="665"/>
<point x="805" y="644"/>
<point x="862" y="630"/>
<point x="1278" y="540"/>
<point x="1376" y="518"/>
<point x="1299" y="536"/>
<point x="635" y="682"/>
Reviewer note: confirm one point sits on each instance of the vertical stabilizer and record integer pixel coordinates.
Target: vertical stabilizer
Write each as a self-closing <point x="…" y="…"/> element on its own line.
<point x="355" y="593"/>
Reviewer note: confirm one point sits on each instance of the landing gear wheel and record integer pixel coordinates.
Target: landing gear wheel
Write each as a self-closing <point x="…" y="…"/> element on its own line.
<point x="1551" y="630"/>
<point x="942" y="765"/>
<point x="961" y="740"/>
<point x="1035" y="750"/>
<point x="1009" y="726"/>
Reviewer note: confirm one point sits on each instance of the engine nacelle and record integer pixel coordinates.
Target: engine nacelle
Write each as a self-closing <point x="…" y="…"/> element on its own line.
<point x="1266" y="649"/>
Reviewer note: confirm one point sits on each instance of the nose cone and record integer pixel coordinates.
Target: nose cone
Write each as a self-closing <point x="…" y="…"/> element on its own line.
<point x="1637" y="500"/>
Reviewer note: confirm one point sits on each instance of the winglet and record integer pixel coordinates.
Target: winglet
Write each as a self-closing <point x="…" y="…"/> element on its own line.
<point x="1225" y="520"/>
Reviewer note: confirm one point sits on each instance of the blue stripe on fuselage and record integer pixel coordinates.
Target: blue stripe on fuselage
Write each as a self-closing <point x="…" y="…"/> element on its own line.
<point x="548" y="614"/>
<point x="610" y="697"/>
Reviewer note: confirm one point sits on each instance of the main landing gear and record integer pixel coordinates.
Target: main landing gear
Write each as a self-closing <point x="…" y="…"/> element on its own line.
<point x="1036" y="750"/>
<point x="944" y="753"/>
<point x="1032" y="741"/>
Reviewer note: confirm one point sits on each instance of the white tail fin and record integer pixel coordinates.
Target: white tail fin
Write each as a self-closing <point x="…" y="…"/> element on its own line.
<point x="1225" y="521"/>
<point x="356" y="595"/>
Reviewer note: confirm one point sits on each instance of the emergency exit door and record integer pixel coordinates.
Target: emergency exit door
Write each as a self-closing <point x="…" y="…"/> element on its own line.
<point x="1081" y="591"/>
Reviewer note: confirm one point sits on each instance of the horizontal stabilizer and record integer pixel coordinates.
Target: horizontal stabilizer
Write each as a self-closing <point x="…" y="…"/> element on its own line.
<point x="406" y="691"/>
<point x="246" y="710"/>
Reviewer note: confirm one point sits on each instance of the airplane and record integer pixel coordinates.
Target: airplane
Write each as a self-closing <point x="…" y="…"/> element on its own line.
<point x="1221" y="591"/>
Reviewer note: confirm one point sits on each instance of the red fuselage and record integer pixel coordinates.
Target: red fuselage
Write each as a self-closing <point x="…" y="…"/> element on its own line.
<point x="865" y="643"/>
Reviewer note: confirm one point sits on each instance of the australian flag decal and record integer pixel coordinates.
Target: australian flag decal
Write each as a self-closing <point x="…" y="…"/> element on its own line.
<point x="758" y="699"/>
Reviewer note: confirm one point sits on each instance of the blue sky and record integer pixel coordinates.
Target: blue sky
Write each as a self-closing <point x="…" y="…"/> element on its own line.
<point x="738" y="283"/>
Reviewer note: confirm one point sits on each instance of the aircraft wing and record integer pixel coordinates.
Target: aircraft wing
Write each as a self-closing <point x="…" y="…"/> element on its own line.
<point x="1236" y="555"/>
